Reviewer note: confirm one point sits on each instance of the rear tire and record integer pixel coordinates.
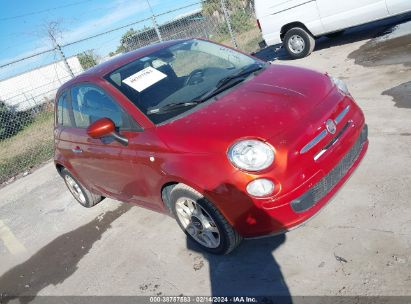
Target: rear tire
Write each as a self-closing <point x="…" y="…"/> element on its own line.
<point x="298" y="42"/>
<point x="79" y="192"/>
<point x="202" y="222"/>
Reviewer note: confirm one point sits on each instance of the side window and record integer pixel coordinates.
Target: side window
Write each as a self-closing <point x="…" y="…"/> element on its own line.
<point x="91" y="103"/>
<point x="63" y="117"/>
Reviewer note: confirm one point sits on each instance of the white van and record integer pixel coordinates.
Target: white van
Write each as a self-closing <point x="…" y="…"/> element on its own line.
<point x="296" y="23"/>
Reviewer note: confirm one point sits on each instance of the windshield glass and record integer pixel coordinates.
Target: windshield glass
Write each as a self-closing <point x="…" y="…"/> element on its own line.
<point x="172" y="80"/>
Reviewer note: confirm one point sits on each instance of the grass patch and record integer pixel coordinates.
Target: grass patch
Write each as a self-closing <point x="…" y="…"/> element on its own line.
<point x="247" y="41"/>
<point x="30" y="147"/>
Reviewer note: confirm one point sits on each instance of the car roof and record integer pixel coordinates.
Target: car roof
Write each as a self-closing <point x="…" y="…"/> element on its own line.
<point x="112" y="64"/>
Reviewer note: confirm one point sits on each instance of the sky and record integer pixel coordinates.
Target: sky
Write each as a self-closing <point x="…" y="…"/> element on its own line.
<point x="23" y="26"/>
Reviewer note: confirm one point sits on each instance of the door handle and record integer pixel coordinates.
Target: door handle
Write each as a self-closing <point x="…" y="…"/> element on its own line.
<point x="77" y="150"/>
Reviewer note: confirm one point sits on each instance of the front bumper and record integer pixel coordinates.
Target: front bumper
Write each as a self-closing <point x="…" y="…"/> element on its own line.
<point x="300" y="209"/>
<point x="327" y="183"/>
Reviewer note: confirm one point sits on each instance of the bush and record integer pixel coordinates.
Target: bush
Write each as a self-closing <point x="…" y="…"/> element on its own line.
<point x="11" y="121"/>
<point x="240" y="22"/>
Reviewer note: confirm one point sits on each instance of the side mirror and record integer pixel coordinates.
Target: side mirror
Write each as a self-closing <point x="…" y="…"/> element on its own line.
<point x="105" y="127"/>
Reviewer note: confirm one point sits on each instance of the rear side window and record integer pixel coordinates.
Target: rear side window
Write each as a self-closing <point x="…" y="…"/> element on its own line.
<point x="90" y="103"/>
<point x="63" y="115"/>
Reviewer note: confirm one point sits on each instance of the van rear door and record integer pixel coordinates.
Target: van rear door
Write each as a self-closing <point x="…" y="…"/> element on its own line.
<point x="337" y="15"/>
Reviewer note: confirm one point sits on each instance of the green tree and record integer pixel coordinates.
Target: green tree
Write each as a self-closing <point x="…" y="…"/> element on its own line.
<point x="123" y="40"/>
<point x="238" y="10"/>
<point x="212" y="6"/>
<point x="88" y="59"/>
<point x="126" y="40"/>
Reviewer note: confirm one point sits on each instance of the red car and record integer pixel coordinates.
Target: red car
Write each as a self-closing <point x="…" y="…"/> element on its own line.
<point x="231" y="146"/>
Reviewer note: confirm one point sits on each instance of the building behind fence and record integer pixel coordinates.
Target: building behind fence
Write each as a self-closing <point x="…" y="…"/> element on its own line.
<point x="35" y="87"/>
<point x="26" y="111"/>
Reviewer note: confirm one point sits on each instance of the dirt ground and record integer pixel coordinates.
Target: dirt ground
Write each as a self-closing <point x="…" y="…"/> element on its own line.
<point x="360" y="244"/>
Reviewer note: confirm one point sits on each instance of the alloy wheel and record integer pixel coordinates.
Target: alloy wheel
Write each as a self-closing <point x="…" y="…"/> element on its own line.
<point x="197" y="222"/>
<point x="75" y="189"/>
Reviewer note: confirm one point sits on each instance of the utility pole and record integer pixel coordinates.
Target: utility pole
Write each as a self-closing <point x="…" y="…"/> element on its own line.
<point x="153" y="17"/>
<point x="58" y="48"/>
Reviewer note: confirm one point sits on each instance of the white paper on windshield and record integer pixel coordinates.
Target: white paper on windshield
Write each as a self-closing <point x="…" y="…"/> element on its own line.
<point x="144" y="79"/>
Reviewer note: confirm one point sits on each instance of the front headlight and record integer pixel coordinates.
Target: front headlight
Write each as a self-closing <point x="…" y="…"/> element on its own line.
<point x="341" y="86"/>
<point x="251" y="155"/>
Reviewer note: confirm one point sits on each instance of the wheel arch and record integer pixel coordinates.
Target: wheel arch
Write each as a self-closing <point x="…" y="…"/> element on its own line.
<point x="170" y="184"/>
<point x="59" y="167"/>
<point x="289" y="26"/>
<point x="165" y="193"/>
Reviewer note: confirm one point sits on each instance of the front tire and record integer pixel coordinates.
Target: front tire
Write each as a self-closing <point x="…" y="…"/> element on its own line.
<point x="79" y="192"/>
<point x="202" y="221"/>
<point x="298" y="42"/>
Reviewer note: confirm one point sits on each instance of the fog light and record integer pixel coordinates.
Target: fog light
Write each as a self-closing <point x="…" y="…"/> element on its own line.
<point x="260" y="187"/>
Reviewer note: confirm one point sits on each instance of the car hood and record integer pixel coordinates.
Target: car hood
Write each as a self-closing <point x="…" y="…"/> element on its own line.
<point x="274" y="102"/>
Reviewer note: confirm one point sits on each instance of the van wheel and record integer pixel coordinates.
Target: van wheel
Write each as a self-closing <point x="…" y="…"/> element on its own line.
<point x="81" y="194"/>
<point x="298" y="43"/>
<point x="202" y="221"/>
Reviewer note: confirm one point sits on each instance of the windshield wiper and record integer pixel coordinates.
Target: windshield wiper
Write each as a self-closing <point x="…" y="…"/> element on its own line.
<point x="245" y="71"/>
<point x="230" y="81"/>
<point x="171" y="107"/>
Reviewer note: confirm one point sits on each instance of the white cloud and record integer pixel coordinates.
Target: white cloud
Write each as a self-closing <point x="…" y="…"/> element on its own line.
<point x="27" y="64"/>
<point x="42" y="45"/>
<point x="122" y="9"/>
<point x="116" y="12"/>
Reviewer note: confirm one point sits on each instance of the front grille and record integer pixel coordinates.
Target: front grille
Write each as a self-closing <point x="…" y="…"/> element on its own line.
<point x="324" y="133"/>
<point x="319" y="190"/>
<point x="333" y="141"/>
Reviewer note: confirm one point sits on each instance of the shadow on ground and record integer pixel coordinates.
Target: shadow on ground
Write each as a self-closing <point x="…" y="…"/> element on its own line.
<point x="401" y="95"/>
<point x="56" y="261"/>
<point x="355" y="34"/>
<point x="250" y="270"/>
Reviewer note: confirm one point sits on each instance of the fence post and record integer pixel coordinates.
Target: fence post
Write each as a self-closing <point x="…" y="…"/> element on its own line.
<point x="227" y="19"/>
<point x="153" y="17"/>
<point x="57" y="47"/>
<point x="157" y="28"/>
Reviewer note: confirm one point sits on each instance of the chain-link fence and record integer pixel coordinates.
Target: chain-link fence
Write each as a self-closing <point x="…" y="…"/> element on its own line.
<point x="230" y="22"/>
<point x="28" y="85"/>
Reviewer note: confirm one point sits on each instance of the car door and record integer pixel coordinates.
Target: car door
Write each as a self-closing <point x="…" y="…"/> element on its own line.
<point x="102" y="164"/>
<point x="336" y="15"/>
<point x="64" y="131"/>
<point x="398" y="6"/>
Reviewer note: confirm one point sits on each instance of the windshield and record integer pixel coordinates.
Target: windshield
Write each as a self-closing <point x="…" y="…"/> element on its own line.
<point x="173" y="80"/>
